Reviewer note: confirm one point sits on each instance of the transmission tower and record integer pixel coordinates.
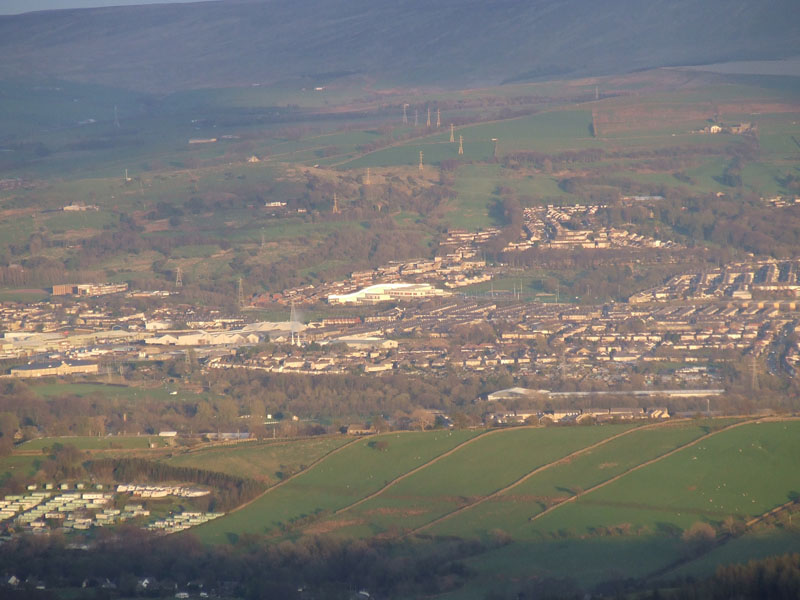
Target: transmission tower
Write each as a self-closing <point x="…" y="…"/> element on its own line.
<point x="335" y="204"/>
<point x="405" y="116"/>
<point x="240" y="295"/>
<point x="116" y="117"/>
<point x="367" y="181"/>
<point x="293" y="326"/>
<point x="420" y="160"/>
<point x="179" y="278"/>
<point x="438" y="118"/>
<point x="452" y="134"/>
<point x="461" y="144"/>
<point x="429" y="118"/>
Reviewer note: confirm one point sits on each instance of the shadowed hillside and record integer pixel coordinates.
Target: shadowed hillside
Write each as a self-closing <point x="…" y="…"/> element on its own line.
<point x="451" y="42"/>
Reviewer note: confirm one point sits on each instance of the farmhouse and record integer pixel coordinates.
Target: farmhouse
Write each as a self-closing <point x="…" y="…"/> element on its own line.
<point x="360" y="429"/>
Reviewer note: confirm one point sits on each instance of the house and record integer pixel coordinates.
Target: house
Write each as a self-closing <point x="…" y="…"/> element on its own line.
<point x="360" y="429"/>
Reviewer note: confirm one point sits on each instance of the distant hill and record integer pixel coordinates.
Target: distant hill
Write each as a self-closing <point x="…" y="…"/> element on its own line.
<point x="447" y="42"/>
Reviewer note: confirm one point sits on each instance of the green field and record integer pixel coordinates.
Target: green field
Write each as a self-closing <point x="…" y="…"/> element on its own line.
<point x="125" y="392"/>
<point x="269" y="462"/>
<point x="21" y="466"/>
<point x="343" y="478"/>
<point x="637" y="490"/>
<point x="481" y="468"/>
<point x="121" y="442"/>
<point x="511" y="511"/>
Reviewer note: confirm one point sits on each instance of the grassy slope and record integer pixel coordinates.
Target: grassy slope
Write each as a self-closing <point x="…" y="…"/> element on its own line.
<point x="644" y="505"/>
<point x="674" y="492"/>
<point x="339" y="480"/>
<point x="268" y="462"/>
<point x="479" y="469"/>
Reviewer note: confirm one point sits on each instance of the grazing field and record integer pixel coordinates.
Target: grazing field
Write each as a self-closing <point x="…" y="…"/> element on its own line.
<point x="19" y="465"/>
<point x="269" y="462"/>
<point x="630" y="493"/>
<point x="633" y="526"/>
<point x="163" y="393"/>
<point x="116" y="442"/>
<point x="345" y="477"/>
<point x="739" y="473"/>
<point x="510" y="511"/>
<point x="478" y="469"/>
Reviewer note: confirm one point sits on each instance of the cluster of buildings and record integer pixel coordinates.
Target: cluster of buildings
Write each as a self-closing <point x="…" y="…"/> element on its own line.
<point x="782" y="201"/>
<point x="597" y="343"/>
<point x="89" y="289"/>
<point x="40" y="511"/>
<point x="182" y="521"/>
<point x="738" y="281"/>
<point x="395" y="281"/>
<point x="82" y="510"/>
<point x="568" y="416"/>
<point x="161" y="491"/>
<point x="734" y="129"/>
<point x="576" y="226"/>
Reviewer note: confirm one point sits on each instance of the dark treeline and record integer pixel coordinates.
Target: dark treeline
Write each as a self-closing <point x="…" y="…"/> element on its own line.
<point x="229" y="491"/>
<point x="773" y="578"/>
<point x="252" y="568"/>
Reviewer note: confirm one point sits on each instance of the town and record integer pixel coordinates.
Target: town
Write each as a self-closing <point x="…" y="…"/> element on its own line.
<point x="677" y="335"/>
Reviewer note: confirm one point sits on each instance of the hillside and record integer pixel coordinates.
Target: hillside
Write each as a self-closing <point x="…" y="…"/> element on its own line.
<point x="590" y="503"/>
<point x="450" y="43"/>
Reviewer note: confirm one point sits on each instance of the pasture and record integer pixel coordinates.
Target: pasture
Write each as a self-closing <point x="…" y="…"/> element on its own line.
<point x="357" y="470"/>
<point x="511" y="510"/>
<point x="479" y="469"/>
<point x="115" y="442"/>
<point x="631" y="494"/>
<point x="269" y="462"/>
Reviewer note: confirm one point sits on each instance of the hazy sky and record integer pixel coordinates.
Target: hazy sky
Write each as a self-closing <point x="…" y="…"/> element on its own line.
<point x="13" y="7"/>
